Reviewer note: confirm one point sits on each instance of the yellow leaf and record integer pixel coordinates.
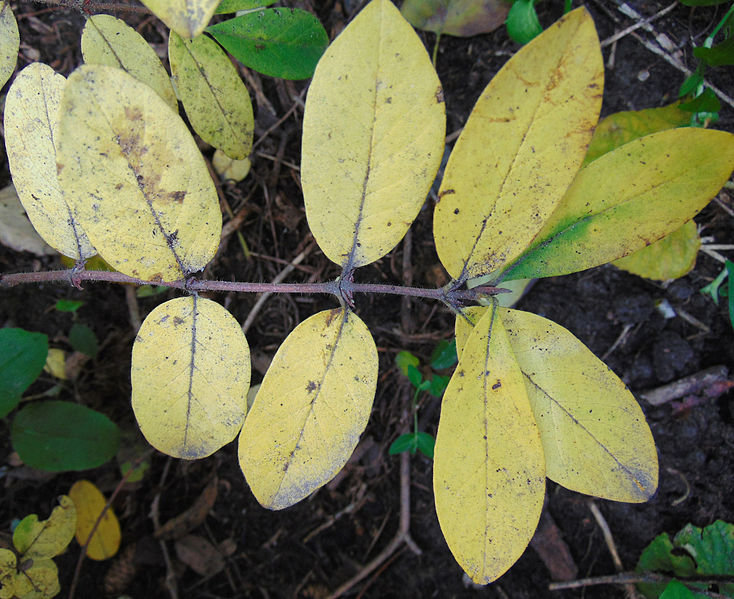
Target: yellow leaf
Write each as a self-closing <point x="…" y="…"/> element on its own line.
<point x="373" y="137"/>
<point x="48" y="538"/>
<point x="56" y="363"/>
<point x="520" y="149"/>
<point x="188" y="18"/>
<point x="214" y="97"/>
<point x="31" y="140"/>
<point x="16" y="231"/>
<point x="594" y="434"/>
<point x="39" y="581"/>
<point x="7" y="573"/>
<point x="190" y="375"/>
<point x="488" y="472"/>
<point x="628" y="199"/>
<point x="110" y="41"/>
<point x="89" y="503"/>
<point x="671" y="257"/>
<point x="465" y="325"/>
<point x="312" y="406"/>
<point x="229" y="169"/>
<point x="135" y="176"/>
<point x="9" y="42"/>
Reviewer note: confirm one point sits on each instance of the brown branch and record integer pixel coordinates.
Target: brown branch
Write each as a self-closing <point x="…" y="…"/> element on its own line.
<point x="624" y="578"/>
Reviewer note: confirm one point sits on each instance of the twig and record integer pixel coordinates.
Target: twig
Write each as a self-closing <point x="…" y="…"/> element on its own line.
<point x="689" y="385"/>
<point x="645" y="23"/>
<point x="133" y="308"/>
<point x="155" y="516"/>
<point x="648" y="577"/>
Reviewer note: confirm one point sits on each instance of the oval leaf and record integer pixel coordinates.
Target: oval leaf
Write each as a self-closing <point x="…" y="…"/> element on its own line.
<point x="488" y="475"/>
<point x="671" y="257"/>
<point x="188" y="18"/>
<point x="16" y="231"/>
<point x="9" y="42"/>
<point x="39" y="581"/>
<point x="628" y="199"/>
<point x="313" y="405"/>
<point x="31" y="140"/>
<point x="520" y="149"/>
<point x="200" y="352"/>
<point x="279" y="42"/>
<point x="110" y="41"/>
<point x="23" y="358"/>
<point x="89" y="503"/>
<point x="214" y="97"/>
<point x="456" y="17"/>
<point x="135" y="176"/>
<point x="47" y="538"/>
<point x="372" y="137"/>
<point x="60" y="435"/>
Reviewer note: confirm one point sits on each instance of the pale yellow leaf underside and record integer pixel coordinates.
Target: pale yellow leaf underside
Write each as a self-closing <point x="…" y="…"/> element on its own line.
<point x="16" y="231"/>
<point x="112" y="42"/>
<point x="373" y="137"/>
<point x="188" y="18"/>
<point x="135" y="176"/>
<point x="89" y="503"/>
<point x="213" y="95"/>
<point x="488" y="473"/>
<point x="190" y="376"/>
<point x="520" y="149"/>
<point x="9" y="41"/>
<point x="312" y="406"/>
<point x="31" y="141"/>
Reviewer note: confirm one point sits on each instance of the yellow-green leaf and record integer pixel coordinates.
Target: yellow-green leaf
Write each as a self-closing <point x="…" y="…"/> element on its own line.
<point x="90" y="502"/>
<point x="190" y="375"/>
<point x="188" y="18"/>
<point x="671" y="257"/>
<point x="594" y="434"/>
<point x="628" y="199"/>
<point x="456" y="17"/>
<point x="135" y="176"/>
<point x="488" y="472"/>
<point x="312" y="406"/>
<point x="520" y="149"/>
<point x="214" y="97"/>
<point x="47" y="538"/>
<point x="7" y="573"/>
<point x="229" y="169"/>
<point x="39" y="581"/>
<point x="373" y="137"/>
<point x="31" y="140"/>
<point x="9" y="42"/>
<point x="110" y="41"/>
<point x="56" y="363"/>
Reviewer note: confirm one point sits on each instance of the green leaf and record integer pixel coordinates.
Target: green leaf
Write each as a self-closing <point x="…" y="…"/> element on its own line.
<point x="438" y="385"/>
<point x="150" y="290"/>
<point x="522" y="21"/>
<point x="706" y="102"/>
<point x="462" y="18"/>
<point x="730" y="288"/>
<point x="702" y="2"/>
<point x="415" y="376"/>
<point x="676" y="590"/>
<point x="405" y="359"/>
<point x="47" y="538"/>
<point x="690" y="84"/>
<point x="228" y="6"/>
<point x="425" y="443"/>
<point x="23" y="357"/>
<point x="68" y="305"/>
<point x="83" y="339"/>
<point x="60" y="435"/>
<point x="405" y="442"/>
<point x="279" y="42"/>
<point x="444" y="355"/>
<point x="720" y="55"/>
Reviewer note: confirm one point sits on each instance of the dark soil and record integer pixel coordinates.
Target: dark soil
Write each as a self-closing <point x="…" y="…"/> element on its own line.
<point x="313" y="547"/>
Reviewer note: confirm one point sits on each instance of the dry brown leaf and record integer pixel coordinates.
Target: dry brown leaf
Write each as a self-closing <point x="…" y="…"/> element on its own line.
<point x="200" y="555"/>
<point x="187" y="521"/>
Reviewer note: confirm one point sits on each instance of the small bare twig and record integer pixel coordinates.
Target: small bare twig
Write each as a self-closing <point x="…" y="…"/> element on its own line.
<point x="625" y="578"/>
<point x="686" y="386"/>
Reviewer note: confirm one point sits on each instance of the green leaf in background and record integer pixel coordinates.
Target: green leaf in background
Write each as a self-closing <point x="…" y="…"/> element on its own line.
<point x="83" y="339"/>
<point x="23" y="358"/>
<point x="706" y="102"/>
<point x="720" y="55"/>
<point x="413" y="442"/>
<point x="403" y="443"/>
<point x="425" y="443"/>
<point x="279" y="42"/>
<point x="415" y="376"/>
<point x="59" y="435"/>
<point x="702" y="2"/>
<point x="730" y="288"/>
<point x="444" y="355"/>
<point x="676" y="590"/>
<point x="691" y="83"/>
<point x="522" y="21"/>
<point x="462" y="18"/>
<point x="228" y="6"/>
<point x="150" y="290"/>
<point x="405" y="359"/>
<point x="68" y="305"/>
<point x="438" y="385"/>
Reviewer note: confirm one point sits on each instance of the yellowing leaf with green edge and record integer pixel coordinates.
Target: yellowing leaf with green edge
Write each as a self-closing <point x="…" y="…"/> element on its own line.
<point x="90" y="502"/>
<point x="47" y="538"/>
<point x="312" y="406"/>
<point x="594" y="434"/>
<point x="112" y="42"/>
<point x="39" y="581"/>
<point x="188" y="18"/>
<point x="622" y="127"/>
<point x="213" y="95"/>
<point x="135" y="177"/>
<point x="9" y="42"/>
<point x="373" y="137"/>
<point x="628" y="199"/>
<point x="488" y="469"/>
<point x="7" y="573"/>
<point x="229" y="169"/>
<point x="520" y="149"/>
<point x="190" y="375"/>
<point x="31" y="140"/>
<point x="671" y="257"/>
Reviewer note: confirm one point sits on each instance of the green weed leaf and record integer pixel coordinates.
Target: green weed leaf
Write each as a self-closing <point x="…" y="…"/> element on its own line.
<point x="228" y="6"/>
<point x="706" y="102"/>
<point x="522" y="22"/>
<point x="444" y="355"/>
<point x="438" y="385"/>
<point x="405" y="442"/>
<point x="23" y="358"/>
<point x="425" y="443"/>
<point x="68" y="305"/>
<point x="83" y="339"/>
<point x="415" y="376"/>
<point x="677" y="590"/>
<point x="404" y="360"/>
<point x="719" y="55"/>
